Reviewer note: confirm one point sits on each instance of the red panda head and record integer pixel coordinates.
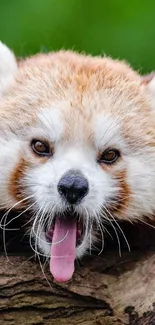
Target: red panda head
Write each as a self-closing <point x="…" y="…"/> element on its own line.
<point x="77" y="141"/>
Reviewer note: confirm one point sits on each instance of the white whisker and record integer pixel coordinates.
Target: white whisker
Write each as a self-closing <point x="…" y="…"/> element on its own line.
<point x="127" y="243"/>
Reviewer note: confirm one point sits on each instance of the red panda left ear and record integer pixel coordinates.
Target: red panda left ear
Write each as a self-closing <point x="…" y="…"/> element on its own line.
<point x="149" y="81"/>
<point x="148" y="78"/>
<point x="8" y="67"/>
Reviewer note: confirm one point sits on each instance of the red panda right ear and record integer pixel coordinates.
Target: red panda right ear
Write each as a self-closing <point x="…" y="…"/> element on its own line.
<point x="8" y="67"/>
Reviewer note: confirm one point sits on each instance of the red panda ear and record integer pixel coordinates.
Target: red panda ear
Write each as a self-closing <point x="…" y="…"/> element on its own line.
<point x="148" y="78"/>
<point x="8" y="67"/>
<point x="149" y="81"/>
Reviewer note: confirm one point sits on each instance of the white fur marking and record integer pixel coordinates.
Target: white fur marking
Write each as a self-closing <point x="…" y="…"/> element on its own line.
<point x="51" y="123"/>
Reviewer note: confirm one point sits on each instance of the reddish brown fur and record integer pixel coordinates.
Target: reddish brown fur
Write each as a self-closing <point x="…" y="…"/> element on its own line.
<point x="15" y="185"/>
<point x="124" y="195"/>
<point x="44" y="78"/>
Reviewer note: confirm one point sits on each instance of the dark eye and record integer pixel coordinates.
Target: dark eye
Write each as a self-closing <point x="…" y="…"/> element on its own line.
<point x="109" y="156"/>
<point x="41" y="148"/>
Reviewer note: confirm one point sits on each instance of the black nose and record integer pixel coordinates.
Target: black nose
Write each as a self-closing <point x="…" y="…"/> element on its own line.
<point x="73" y="186"/>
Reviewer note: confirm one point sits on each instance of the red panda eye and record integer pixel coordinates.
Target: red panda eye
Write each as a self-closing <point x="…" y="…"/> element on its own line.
<point x="109" y="156"/>
<point x="41" y="148"/>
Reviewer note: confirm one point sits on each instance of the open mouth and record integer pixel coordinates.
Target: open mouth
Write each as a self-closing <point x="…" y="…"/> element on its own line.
<point x="65" y="235"/>
<point x="79" y="231"/>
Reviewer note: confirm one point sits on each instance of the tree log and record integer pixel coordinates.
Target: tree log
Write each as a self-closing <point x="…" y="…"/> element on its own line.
<point x="106" y="289"/>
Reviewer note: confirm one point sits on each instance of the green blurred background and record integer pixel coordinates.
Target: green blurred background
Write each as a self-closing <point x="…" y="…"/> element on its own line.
<point x="119" y="28"/>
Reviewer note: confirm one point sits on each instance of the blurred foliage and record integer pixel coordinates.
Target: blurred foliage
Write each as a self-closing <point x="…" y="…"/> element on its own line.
<point x="119" y="28"/>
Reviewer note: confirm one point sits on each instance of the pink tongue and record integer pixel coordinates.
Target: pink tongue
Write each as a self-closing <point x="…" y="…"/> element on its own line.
<point x="63" y="249"/>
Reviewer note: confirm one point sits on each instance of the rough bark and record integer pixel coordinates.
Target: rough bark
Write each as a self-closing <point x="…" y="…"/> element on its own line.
<point x="106" y="289"/>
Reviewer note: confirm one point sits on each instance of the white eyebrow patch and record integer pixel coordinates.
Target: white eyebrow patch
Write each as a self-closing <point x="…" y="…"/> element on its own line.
<point x="107" y="131"/>
<point x="51" y="123"/>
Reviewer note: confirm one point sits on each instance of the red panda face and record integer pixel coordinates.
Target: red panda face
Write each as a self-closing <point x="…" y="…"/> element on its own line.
<point x="77" y="150"/>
